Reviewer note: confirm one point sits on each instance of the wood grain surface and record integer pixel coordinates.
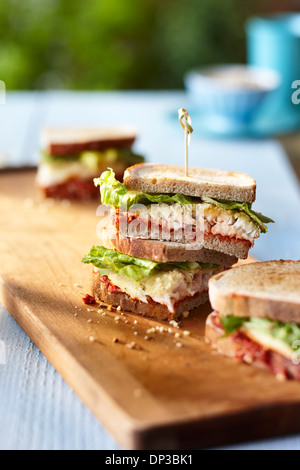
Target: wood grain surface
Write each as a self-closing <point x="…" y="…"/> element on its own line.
<point x="170" y="391"/>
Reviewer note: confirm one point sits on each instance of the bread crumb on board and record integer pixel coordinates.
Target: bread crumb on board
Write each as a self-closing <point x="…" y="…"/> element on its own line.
<point x="186" y="333"/>
<point x="133" y="345"/>
<point x="174" y="323"/>
<point x="150" y="330"/>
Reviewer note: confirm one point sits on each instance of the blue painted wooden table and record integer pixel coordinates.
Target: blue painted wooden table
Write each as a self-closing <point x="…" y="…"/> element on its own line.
<point x="38" y="410"/>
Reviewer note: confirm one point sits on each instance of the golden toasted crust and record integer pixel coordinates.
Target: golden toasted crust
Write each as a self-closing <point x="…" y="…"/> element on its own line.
<point x="269" y="289"/>
<point x="220" y="184"/>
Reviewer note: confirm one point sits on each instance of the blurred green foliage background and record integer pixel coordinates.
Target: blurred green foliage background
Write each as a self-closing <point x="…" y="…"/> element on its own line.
<point x="117" y="44"/>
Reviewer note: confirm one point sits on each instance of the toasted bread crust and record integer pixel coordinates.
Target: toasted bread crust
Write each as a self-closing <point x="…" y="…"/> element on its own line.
<point x="59" y="141"/>
<point x="219" y="184"/>
<point x="151" y="309"/>
<point x="228" y="245"/>
<point x="239" y="347"/>
<point x="57" y="150"/>
<point x="269" y="289"/>
<point x="162" y="251"/>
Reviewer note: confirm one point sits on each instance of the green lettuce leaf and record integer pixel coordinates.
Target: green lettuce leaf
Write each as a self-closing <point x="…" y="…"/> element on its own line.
<point x="114" y="193"/>
<point x="94" y="160"/>
<point x="245" y="207"/>
<point x="286" y="332"/>
<point x="47" y="158"/>
<point x="231" y="324"/>
<point x="136" y="268"/>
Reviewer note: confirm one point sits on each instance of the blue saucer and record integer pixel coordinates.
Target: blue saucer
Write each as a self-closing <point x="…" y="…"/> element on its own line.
<point x="269" y="123"/>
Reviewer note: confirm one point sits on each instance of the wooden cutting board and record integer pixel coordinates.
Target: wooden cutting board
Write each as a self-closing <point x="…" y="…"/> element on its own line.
<point x="168" y="392"/>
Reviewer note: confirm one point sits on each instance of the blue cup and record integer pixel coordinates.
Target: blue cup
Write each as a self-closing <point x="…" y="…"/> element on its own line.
<point x="274" y="42"/>
<point x="230" y="96"/>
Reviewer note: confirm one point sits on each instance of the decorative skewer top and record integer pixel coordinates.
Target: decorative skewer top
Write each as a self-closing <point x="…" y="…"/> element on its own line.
<point x="185" y="122"/>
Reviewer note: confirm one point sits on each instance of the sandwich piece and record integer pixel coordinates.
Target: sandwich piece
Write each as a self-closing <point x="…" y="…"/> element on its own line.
<point x="164" y="291"/>
<point x="71" y="157"/>
<point x="256" y="316"/>
<point x="211" y="209"/>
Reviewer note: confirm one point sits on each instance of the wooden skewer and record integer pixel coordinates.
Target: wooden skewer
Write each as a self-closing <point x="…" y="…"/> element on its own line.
<point x="186" y="152"/>
<point x="185" y="122"/>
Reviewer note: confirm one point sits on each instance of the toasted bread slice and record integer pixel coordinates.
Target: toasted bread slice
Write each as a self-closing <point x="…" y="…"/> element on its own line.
<point x="219" y="184"/>
<point x="69" y="140"/>
<point x="269" y="289"/>
<point x="151" y="309"/>
<point x="162" y="251"/>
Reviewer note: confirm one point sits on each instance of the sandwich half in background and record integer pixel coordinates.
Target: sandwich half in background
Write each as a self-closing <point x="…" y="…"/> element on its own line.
<point x="156" y="272"/>
<point x="211" y="209"/>
<point x="256" y="317"/>
<point x="71" y="157"/>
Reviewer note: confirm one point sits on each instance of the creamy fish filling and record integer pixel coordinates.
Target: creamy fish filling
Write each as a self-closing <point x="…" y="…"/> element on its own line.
<point x="280" y="337"/>
<point x="49" y="174"/>
<point x="167" y="288"/>
<point x="148" y="221"/>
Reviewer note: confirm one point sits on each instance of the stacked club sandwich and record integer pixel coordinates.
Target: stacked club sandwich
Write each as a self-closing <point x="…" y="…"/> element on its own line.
<point x="168" y="234"/>
<point x="72" y="157"/>
<point x="256" y="316"/>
